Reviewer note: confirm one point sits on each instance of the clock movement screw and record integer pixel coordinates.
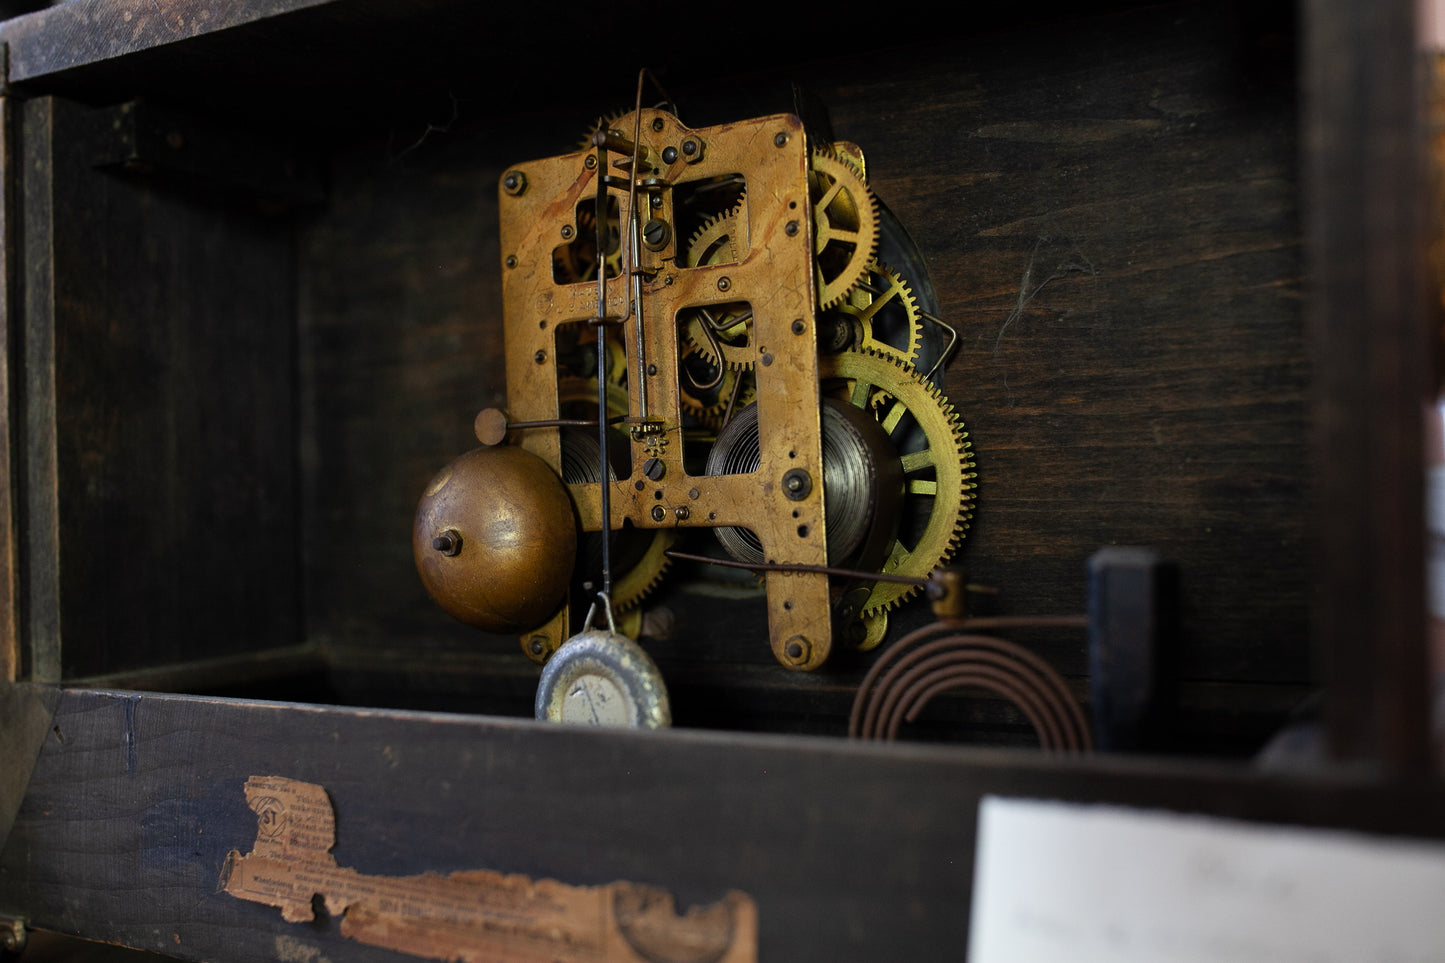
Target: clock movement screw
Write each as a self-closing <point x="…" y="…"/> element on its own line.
<point x="655" y="234"/>
<point x="514" y="183"/>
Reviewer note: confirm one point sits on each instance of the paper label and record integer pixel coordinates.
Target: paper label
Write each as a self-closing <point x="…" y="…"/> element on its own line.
<point x="1088" y="884"/>
<point x="476" y="915"/>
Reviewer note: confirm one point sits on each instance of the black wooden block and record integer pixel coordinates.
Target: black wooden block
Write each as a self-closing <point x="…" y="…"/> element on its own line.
<point x="1132" y="594"/>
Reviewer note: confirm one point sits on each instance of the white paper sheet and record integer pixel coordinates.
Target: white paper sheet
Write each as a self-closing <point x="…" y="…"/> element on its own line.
<point x="1088" y="884"/>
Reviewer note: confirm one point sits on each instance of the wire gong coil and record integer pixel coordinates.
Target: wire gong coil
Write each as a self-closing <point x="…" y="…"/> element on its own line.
<point x="938" y="659"/>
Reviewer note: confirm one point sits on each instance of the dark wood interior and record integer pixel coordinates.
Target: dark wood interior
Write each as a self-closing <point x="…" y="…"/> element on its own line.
<point x="268" y="339"/>
<point x="252" y="297"/>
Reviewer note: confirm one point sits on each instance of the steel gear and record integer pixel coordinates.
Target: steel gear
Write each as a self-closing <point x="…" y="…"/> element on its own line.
<point x="845" y="226"/>
<point x="935" y="455"/>
<point x="719" y="333"/>
<point x="884" y="315"/>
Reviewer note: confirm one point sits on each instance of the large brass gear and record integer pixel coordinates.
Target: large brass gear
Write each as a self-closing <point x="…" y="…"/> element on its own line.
<point x="935" y="454"/>
<point x="720" y="240"/>
<point x="884" y="300"/>
<point x="638" y="582"/>
<point x="845" y="226"/>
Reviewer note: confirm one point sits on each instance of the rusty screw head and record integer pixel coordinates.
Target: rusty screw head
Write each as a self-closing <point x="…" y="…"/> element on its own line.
<point x="657" y="200"/>
<point x="537" y="645"/>
<point x="798" y="326"/>
<point x="540" y="356"/>
<point x="658" y="513"/>
<point x="669" y="155"/>
<point x="566" y="232"/>
<point x="514" y="183"/>
<point x="689" y="147"/>
<point x="780" y="139"/>
<point x="449" y="543"/>
<point x="657" y="124"/>
<point x="654" y="469"/>
<point x="724" y="283"/>
<point x="651" y="370"/>
<point x="791" y="229"/>
<point x="681" y="513"/>
<point x="511" y="260"/>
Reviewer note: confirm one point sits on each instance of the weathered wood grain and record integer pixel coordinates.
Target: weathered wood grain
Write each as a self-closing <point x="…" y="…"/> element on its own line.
<point x="11" y="657"/>
<point x="1373" y="374"/>
<point x="160" y="412"/>
<point x="851" y="851"/>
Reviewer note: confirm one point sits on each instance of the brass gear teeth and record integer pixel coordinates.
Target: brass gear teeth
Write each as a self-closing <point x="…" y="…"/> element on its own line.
<point x="733" y="357"/>
<point x="845" y="223"/>
<point x="949" y="455"/>
<point x="638" y="582"/>
<point x="710" y="414"/>
<point x="720" y="229"/>
<point x="716" y="242"/>
<point x="606" y="122"/>
<point x="895" y="287"/>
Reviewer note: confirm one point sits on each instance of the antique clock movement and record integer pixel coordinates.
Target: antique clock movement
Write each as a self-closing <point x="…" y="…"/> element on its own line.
<point x="702" y="339"/>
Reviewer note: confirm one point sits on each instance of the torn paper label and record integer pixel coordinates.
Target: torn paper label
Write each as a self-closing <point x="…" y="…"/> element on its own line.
<point x="471" y="916"/>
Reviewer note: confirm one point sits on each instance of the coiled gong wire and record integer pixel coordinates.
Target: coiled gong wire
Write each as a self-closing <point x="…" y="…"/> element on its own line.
<point x="939" y="658"/>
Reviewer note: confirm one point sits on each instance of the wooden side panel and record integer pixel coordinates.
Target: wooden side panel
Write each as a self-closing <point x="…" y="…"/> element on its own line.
<point x="39" y="569"/>
<point x="160" y="404"/>
<point x="1372" y="339"/>
<point x="850" y="851"/>
<point x="10" y="652"/>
